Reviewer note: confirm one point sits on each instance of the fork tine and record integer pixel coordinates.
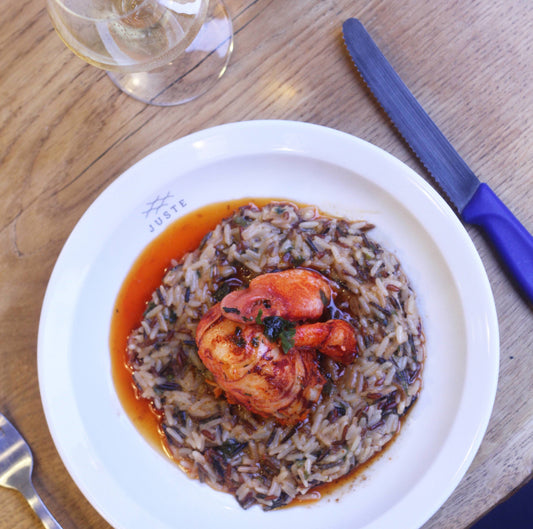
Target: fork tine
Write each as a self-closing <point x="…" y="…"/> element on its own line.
<point x="16" y="464"/>
<point x="15" y="455"/>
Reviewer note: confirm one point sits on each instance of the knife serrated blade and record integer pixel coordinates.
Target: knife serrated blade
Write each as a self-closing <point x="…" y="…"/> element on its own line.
<point x="475" y="201"/>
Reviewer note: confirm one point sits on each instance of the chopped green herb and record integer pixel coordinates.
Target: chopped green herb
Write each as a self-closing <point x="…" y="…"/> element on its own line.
<point x="287" y="339"/>
<point x="276" y="328"/>
<point x="242" y="221"/>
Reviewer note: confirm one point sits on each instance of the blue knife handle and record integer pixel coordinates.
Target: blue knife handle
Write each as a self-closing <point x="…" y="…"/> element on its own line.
<point x="513" y="242"/>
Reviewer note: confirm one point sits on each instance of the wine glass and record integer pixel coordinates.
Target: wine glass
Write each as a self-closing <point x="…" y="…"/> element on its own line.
<point x="162" y="52"/>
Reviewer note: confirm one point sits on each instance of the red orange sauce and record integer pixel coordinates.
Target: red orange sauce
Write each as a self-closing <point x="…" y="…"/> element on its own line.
<point x="180" y="237"/>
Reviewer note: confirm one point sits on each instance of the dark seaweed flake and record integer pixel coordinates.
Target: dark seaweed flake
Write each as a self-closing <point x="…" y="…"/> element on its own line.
<point x="238" y="338"/>
<point x="233" y="310"/>
<point x="230" y="448"/>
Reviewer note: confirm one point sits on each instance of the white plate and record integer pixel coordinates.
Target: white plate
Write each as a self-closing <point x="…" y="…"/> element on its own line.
<point x="132" y="485"/>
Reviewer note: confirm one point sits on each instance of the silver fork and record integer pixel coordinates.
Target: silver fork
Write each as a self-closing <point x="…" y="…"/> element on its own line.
<point x="16" y="465"/>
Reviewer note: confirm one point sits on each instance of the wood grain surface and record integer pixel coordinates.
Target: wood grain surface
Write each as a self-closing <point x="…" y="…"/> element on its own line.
<point x="66" y="133"/>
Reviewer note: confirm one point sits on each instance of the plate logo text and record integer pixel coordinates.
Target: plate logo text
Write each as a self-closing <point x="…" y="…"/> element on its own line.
<point x="162" y="209"/>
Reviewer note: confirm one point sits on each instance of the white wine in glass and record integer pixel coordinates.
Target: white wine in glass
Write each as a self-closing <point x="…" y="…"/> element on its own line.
<point x="162" y="52"/>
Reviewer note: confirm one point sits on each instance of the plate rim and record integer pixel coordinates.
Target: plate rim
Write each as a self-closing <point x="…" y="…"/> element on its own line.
<point x="295" y="127"/>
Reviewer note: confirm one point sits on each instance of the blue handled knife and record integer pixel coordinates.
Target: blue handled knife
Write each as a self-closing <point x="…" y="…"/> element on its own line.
<point x="476" y="203"/>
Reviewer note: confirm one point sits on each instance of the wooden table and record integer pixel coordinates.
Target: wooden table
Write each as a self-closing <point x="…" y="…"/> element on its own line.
<point x="67" y="132"/>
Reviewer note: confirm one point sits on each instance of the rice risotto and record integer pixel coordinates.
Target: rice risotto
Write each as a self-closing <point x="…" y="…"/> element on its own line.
<point x="224" y="445"/>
